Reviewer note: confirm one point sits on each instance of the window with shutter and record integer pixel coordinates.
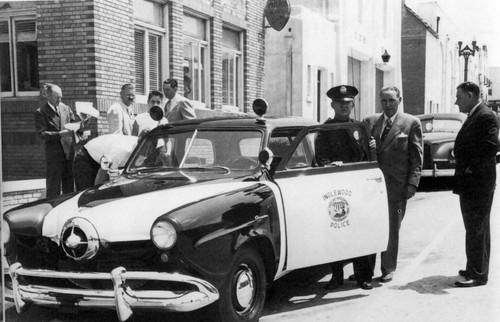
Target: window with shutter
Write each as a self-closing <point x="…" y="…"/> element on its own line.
<point x="139" y="62"/>
<point x="154" y="63"/>
<point x="150" y="33"/>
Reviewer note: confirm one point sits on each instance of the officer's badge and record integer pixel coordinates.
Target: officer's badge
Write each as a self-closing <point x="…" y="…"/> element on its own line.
<point x="343" y="90"/>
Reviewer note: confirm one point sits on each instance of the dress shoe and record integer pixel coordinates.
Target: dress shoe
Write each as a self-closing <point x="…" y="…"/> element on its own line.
<point x="366" y="285"/>
<point x="462" y="273"/>
<point x="352" y="278"/>
<point x="333" y="284"/>
<point x="470" y="283"/>
<point x="387" y="277"/>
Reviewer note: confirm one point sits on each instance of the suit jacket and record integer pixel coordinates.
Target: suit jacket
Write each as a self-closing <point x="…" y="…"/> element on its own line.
<point x="400" y="156"/>
<point x="120" y="118"/>
<point x="48" y="124"/>
<point x="180" y="109"/>
<point x="476" y="145"/>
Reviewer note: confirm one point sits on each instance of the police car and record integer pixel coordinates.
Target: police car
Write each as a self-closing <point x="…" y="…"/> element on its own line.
<point x="206" y="213"/>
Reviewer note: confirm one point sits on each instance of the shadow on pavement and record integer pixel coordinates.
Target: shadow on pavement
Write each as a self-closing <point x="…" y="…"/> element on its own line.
<point x="302" y="289"/>
<point x="436" y="285"/>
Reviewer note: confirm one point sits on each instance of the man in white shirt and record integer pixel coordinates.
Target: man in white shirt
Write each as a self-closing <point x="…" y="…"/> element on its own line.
<point x="177" y="107"/>
<point x="113" y="148"/>
<point x="120" y="115"/>
<point x="152" y="118"/>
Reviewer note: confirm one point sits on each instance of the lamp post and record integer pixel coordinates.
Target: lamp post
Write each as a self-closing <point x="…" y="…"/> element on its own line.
<point x="466" y="52"/>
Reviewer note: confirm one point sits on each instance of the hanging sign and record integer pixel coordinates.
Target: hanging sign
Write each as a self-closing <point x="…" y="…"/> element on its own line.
<point x="277" y="13"/>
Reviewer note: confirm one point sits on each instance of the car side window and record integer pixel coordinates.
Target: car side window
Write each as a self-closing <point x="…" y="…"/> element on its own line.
<point x="338" y="145"/>
<point x="331" y="146"/>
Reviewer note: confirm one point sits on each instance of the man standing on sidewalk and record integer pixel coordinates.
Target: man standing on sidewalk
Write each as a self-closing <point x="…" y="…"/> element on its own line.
<point x="398" y="138"/>
<point x="475" y="174"/>
<point x="59" y="141"/>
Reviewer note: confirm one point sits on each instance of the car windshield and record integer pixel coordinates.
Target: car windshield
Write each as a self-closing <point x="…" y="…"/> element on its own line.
<point x="198" y="150"/>
<point x="434" y="125"/>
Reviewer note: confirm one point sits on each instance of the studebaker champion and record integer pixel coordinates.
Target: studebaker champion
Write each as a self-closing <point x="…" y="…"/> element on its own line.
<point x="207" y="212"/>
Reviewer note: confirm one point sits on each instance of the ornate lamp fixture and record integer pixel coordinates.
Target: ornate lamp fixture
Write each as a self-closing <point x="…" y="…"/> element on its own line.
<point x="466" y="52"/>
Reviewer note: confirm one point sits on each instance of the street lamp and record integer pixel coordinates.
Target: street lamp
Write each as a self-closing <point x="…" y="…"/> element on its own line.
<point x="466" y="52"/>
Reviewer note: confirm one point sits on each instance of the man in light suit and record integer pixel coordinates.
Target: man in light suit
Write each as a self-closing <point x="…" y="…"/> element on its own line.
<point x="475" y="174"/>
<point x="120" y="115"/>
<point x="177" y="107"/>
<point x="398" y="140"/>
<point x="59" y="142"/>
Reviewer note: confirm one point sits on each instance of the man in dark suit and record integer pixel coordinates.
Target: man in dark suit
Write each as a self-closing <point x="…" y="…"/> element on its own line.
<point x="398" y="140"/>
<point x="475" y="148"/>
<point x="59" y="143"/>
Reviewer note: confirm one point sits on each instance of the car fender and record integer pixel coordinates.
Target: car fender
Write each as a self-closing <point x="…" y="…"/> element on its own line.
<point x="211" y="230"/>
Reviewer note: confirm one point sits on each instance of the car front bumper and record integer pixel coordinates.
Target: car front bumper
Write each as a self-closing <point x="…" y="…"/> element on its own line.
<point x="122" y="297"/>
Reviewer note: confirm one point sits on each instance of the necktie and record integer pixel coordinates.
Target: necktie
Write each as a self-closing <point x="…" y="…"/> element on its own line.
<point x="387" y="128"/>
<point x="167" y="107"/>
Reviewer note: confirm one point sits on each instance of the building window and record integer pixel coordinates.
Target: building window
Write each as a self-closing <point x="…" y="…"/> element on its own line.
<point x="148" y="64"/>
<point x="231" y="68"/>
<point x="195" y="60"/>
<point x="149" y="35"/>
<point x="19" y="52"/>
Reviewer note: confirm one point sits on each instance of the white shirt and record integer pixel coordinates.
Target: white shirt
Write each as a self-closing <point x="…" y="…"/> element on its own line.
<point x="144" y="121"/>
<point x="115" y="147"/>
<point x="120" y="118"/>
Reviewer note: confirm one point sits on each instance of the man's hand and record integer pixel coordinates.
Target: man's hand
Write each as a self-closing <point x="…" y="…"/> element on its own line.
<point x="65" y="133"/>
<point x="372" y="143"/>
<point x="410" y="191"/>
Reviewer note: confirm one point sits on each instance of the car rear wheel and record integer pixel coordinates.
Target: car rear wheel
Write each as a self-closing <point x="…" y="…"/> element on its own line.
<point x="243" y="292"/>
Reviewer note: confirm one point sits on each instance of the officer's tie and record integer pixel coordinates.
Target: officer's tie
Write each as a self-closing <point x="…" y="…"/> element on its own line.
<point x="387" y="128"/>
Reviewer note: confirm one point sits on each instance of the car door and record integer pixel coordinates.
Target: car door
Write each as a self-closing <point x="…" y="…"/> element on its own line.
<point x="337" y="210"/>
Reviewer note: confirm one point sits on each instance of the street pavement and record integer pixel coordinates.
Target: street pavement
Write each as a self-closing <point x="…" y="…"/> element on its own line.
<point x="432" y="240"/>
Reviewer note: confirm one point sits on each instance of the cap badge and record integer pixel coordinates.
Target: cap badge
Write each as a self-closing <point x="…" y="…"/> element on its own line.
<point x="343" y="90"/>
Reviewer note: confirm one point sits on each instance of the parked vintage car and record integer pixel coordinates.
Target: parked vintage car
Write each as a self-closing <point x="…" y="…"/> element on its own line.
<point x="439" y="133"/>
<point x="207" y="212"/>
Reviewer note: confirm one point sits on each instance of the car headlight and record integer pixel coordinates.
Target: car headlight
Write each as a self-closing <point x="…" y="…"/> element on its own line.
<point x="5" y="232"/>
<point x="163" y="234"/>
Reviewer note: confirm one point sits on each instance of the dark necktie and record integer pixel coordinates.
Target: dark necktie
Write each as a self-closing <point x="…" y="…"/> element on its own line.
<point x="387" y="128"/>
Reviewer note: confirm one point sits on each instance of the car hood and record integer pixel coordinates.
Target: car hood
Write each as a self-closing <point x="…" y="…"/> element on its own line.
<point x="439" y="137"/>
<point x="125" y="209"/>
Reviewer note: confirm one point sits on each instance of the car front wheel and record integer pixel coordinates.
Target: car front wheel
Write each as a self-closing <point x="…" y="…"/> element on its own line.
<point x="243" y="292"/>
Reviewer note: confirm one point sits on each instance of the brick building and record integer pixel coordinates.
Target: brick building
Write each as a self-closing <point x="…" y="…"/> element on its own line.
<point x="90" y="48"/>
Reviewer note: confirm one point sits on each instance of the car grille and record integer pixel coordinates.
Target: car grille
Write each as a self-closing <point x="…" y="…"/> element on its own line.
<point x="43" y="253"/>
<point x="427" y="157"/>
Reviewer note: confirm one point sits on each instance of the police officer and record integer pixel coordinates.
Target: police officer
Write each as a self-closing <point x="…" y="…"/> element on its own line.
<point x="338" y="146"/>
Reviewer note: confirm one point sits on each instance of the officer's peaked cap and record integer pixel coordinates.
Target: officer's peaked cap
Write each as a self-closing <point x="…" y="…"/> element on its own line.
<point x="342" y="93"/>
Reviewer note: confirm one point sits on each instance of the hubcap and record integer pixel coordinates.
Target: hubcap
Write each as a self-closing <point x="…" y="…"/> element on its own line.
<point x="245" y="287"/>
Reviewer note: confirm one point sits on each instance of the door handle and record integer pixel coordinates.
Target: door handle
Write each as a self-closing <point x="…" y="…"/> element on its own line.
<point x="377" y="180"/>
